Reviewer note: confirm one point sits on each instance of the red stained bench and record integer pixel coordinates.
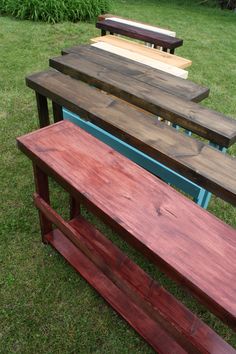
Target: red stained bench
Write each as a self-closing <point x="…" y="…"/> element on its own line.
<point x="186" y="242"/>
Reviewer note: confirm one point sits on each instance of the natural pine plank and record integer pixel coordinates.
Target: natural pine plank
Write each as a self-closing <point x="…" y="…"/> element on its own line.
<point x="158" y="39"/>
<point x="139" y="48"/>
<point x="123" y="82"/>
<point x="153" y="63"/>
<point x="149" y="214"/>
<point x="153" y="77"/>
<point x="192" y="158"/>
<point x="135" y="23"/>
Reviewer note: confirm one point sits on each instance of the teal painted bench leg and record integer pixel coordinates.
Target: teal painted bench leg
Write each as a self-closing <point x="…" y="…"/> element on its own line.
<point x="169" y="176"/>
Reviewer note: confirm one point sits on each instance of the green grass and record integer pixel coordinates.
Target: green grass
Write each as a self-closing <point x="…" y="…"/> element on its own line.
<point x="54" y="11"/>
<point x="44" y="306"/>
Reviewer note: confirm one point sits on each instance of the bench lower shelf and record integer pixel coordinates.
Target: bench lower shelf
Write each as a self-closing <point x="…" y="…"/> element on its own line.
<point x="134" y="315"/>
<point x="154" y="313"/>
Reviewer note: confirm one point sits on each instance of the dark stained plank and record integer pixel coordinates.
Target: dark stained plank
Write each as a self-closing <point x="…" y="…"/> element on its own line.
<point x="205" y="122"/>
<point x="185" y="241"/>
<point x="102" y="17"/>
<point x="151" y="331"/>
<point x="157" y="78"/>
<point x="142" y="290"/>
<point x="156" y="38"/>
<point x="188" y="156"/>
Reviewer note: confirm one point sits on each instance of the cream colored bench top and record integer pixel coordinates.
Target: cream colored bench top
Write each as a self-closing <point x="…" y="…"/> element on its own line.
<point x="143" y="59"/>
<point x="138" y="48"/>
<point x="137" y="24"/>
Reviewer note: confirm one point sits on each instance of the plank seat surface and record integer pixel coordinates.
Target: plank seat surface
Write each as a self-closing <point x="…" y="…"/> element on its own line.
<point x="139" y="48"/>
<point x="126" y="83"/>
<point x="136" y="23"/>
<point x="153" y="63"/>
<point x="188" y="156"/>
<point x="135" y="32"/>
<point x="185" y="241"/>
<point x="153" y="77"/>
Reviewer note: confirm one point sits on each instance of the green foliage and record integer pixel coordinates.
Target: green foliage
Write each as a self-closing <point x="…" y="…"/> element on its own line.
<point x="54" y="11"/>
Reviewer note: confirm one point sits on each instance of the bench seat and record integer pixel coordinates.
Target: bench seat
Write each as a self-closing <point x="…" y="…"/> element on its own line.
<point x="139" y="48"/>
<point x="153" y="63"/>
<point x="139" y="24"/>
<point x="133" y="70"/>
<point x="192" y="158"/>
<point x="132" y="31"/>
<point x="158" y="221"/>
<point x="141" y="89"/>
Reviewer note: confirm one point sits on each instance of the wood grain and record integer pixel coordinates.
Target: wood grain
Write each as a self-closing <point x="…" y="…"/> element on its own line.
<point x="139" y="58"/>
<point x="205" y="122"/>
<point x="155" y="301"/>
<point x="150" y="330"/>
<point x="190" y="157"/>
<point x="155" y="38"/>
<point x="149" y="214"/>
<point x="152" y="53"/>
<point x="153" y="77"/>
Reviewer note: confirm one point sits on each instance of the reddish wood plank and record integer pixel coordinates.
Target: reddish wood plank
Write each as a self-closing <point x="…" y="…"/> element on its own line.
<point x="42" y="188"/>
<point x="156" y="219"/>
<point x="156" y="38"/>
<point x="134" y="315"/>
<point x="186" y="328"/>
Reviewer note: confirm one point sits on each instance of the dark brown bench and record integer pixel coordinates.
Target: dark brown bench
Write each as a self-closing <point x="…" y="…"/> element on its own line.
<point x="186" y="242"/>
<point x="191" y="158"/>
<point x="128" y="81"/>
<point x="155" y="38"/>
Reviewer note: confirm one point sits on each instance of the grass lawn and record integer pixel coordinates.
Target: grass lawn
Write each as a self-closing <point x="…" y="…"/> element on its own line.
<point x="45" y="307"/>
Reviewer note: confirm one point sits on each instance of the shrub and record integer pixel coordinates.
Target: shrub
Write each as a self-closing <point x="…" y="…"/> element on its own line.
<point x="54" y="10"/>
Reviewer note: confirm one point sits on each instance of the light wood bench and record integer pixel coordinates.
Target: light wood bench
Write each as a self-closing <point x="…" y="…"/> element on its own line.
<point x="141" y="130"/>
<point x="147" y="213"/>
<point x="143" y="59"/>
<point x="139" y="48"/>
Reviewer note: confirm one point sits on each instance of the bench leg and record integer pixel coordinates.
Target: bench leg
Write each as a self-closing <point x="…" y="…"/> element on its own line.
<point x="74" y="208"/>
<point x="57" y="112"/>
<point x="172" y="51"/>
<point x="42" y="106"/>
<point x="42" y="188"/>
<point x="103" y="32"/>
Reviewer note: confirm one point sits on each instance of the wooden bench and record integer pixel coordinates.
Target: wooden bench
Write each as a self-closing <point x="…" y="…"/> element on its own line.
<point x="147" y="213"/>
<point x="143" y="87"/>
<point x="139" y="24"/>
<point x="125" y="67"/>
<point x="143" y="59"/>
<point x="156" y="143"/>
<point x="132" y="31"/>
<point x="150" y="53"/>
